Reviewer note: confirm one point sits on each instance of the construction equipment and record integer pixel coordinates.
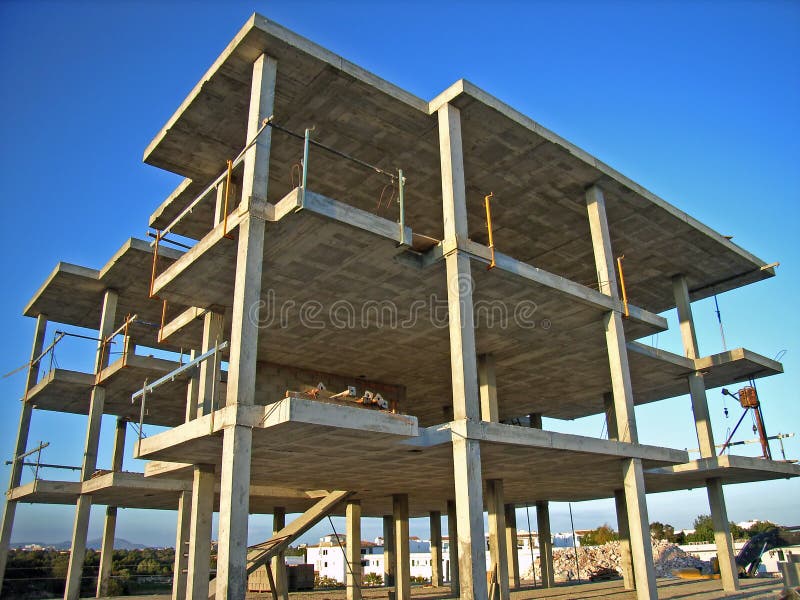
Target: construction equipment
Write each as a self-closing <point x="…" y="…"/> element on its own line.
<point x="749" y="557"/>
<point x="748" y="398"/>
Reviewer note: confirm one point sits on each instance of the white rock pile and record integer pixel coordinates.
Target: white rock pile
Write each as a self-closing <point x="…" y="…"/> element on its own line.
<point x="666" y="556"/>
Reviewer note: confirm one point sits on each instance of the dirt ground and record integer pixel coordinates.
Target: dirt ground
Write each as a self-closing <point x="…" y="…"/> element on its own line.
<point x="667" y="589"/>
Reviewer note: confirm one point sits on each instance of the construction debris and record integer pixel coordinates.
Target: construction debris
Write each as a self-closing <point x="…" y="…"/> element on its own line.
<point x="595" y="559"/>
<point x="349" y="396"/>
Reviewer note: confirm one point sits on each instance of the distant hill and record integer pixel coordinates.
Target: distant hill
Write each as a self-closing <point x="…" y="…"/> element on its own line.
<point x="119" y="544"/>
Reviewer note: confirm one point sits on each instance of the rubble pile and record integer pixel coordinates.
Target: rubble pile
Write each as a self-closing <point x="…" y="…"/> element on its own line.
<point x="666" y="556"/>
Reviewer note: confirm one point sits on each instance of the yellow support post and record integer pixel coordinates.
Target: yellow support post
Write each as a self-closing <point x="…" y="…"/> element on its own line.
<point x="622" y="285"/>
<point x="487" y="200"/>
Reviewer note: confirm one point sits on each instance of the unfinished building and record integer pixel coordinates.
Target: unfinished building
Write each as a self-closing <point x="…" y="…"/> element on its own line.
<point x="333" y="266"/>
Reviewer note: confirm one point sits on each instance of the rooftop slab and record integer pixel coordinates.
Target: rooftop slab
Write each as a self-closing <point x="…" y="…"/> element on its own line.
<point x="537" y="177"/>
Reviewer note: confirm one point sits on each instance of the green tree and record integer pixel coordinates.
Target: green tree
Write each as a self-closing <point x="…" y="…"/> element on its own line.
<point x="704" y="530"/>
<point x="149" y="566"/>
<point x="662" y="531"/>
<point x="598" y="537"/>
<point x="759" y="527"/>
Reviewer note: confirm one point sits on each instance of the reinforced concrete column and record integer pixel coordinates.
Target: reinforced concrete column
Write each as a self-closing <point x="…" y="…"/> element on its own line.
<point x="110" y="523"/>
<point x="437" y="578"/>
<point x="237" y="440"/>
<point x="234" y="508"/>
<point x="466" y="403"/>
<point x="545" y="544"/>
<point x="208" y="380"/>
<point x="96" y="403"/>
<point x="182" y="529"/>
<point x="353" y="549"/>
<point x="543" y="525"/>
<point x="497" y="537"/>
<point x="279" y="561"/>
<point x="193" y="407"/>
<point x="452" y="548"/>
<point x="633" y="474"/>
<point x="199" y="560"/>
<point x="511" y="545"/>
<point x="705" y="437"/>
<point x="626" y="557"/>
<point x="401" y="541"/>
<point x="389" y="558"/>
<point x="494" y="487"/>
<point x="697" y="390"/>
<point x="23" y="429"/>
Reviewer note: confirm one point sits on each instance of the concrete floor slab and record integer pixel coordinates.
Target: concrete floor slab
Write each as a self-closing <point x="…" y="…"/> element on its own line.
<point x="729" y="468"/>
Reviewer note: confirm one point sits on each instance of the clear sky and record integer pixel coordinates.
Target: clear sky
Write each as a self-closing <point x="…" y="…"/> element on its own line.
<point x="698" y="102"/>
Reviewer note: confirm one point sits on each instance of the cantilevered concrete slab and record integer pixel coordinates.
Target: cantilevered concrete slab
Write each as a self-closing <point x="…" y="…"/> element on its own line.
<point x="62" y="390"/>
<point x="42" y="491"/>
<point x="133" y="490"/>
<point x="729" y="468"/>
<point x="73" y="295"/>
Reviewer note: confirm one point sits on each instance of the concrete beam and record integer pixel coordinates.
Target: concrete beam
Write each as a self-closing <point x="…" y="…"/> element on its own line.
<point x="402" y="553"/>
<point x="182" y="529"/>
<point x="200" y="533"/>
<point x="567" y="288"/>
<point x="500" y="433"/>
<point x="511" y="546"/>
<point x="23" y="429"/>
<point x="437" y="578"/>
<point x="353" y="550"/>
<point x="259" y="555"/>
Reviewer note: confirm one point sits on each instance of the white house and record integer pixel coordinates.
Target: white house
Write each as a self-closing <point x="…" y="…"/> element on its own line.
<point x="328" y="556"/>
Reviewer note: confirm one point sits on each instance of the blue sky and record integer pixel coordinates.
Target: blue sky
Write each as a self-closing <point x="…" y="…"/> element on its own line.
<point x="695" y="101"/>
